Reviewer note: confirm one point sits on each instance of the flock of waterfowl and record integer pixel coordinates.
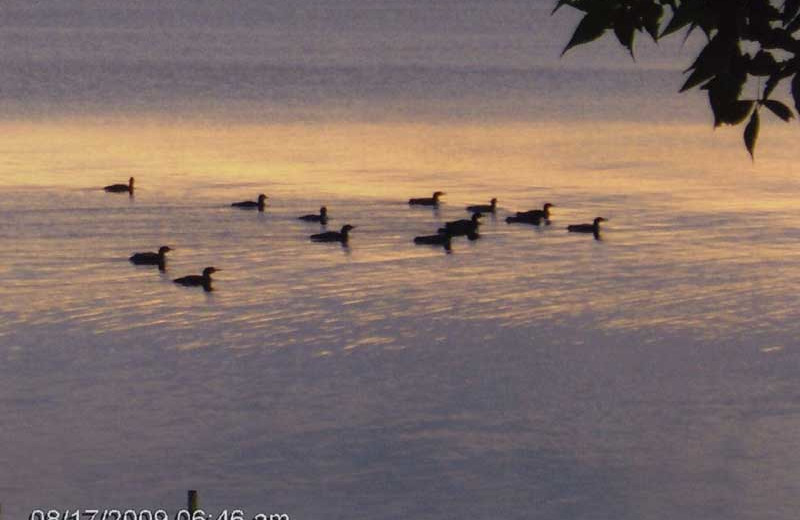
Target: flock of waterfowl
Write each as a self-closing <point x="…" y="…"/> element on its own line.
<point x="443" y="236"/>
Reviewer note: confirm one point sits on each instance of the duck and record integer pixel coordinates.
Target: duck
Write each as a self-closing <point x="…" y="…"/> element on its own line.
<point x="543" y="213"/>
<point x="524" y="218"/>
<point x="442" y="238"/>
<point x="322" y="218"/>
<point x="151" y="258"/>
<point x="334" y="236"/>
<point x="120" y="188"/>
<point x="484" y="208"/>
<point x="195" y="280"/>
<point x="249" y="204"/>
<point x="594" y="227"/>
<point x="433" y="200"/>
<point x="463" y="226"/>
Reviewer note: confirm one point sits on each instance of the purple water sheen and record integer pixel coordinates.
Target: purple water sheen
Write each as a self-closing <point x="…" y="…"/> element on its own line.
<point x="531" y="373"/>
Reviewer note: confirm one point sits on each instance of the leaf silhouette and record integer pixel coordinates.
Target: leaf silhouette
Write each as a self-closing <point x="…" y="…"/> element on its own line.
<point x="796" y="91"/>
<point x="779" y="109"/>
<point x="591" y="27"/>
<point x="732" y="113"/>
<point x="713" y="59"/>
<point x="751" y="134"/>
<point x="623" y="29"/>
<point x="762" y="64"/>
<point x="790" y="9"/>
<point x="682" y="16"/>
<point x="652" y="20"/>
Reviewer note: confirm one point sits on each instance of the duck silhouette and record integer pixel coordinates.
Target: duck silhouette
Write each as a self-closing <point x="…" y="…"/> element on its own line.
<point x="463" y="226"/>
<point x="120" y="188"/>
<point x="250" y="204"/>
<point x="334" y="236"/>
<point x="198" y="280"/>
<point x="151" y="258"/>
<point x="593" y="228"/>
<point x="322" y="218"/>
<point x="433" y="200"/>
<point x="484" y="208"/>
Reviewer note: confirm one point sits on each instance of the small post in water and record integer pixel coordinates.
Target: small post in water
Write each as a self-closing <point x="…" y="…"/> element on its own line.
<point x="191" y="502"/>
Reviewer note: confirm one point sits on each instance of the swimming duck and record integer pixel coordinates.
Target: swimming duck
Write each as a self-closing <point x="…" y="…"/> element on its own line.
<point x="463" y="226"/>
<point x="442" y="238"/>
<point x="120" y="188"/>
<point x="249" y="204"/>
<point x="483" y="208"/>
<point x="195" y="280"/>
<point x="151" y="258"/>
<point x="322" y="218"/>
<point x="587" y="228"/>
<point x="543" y="213"/>
<point x="524" y="218"/>
<point x="334" y="236"/>
<point x="433" y="200"/>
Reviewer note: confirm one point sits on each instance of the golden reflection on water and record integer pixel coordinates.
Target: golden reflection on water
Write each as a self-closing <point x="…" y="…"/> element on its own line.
<point x="379" y="160"/>
<point x="680" y="199"/>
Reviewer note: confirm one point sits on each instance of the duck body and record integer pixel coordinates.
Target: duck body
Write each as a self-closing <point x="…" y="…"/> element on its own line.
<point x="433" y="200"/>
<point x="594" y="227"/>
<point x="439" y="239"/>
<point x="334" y="236"/>
<point x="484" y="208"/>
<point x="120" y="188"/>
<point x="537" y="214"/>
<point x="250" y="204"/>
<point x="463" y="226"/>
<point x="524" y="218"/>
<point x="151" y="258"/>
<point x="443" y="239"/>
<point x="195" y="280"/>
<point x="322" y="218"/>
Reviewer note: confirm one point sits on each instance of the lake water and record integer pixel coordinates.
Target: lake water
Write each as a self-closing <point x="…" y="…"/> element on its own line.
<point x="530" y="373"/>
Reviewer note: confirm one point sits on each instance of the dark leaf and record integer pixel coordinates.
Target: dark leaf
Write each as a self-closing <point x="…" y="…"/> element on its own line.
<point x="770" y="85"/>
<point x="652" y="20"/>
<point x="762" y="64"/>
<point x="591" y="27"/>
<point x="792" y="26"/>
<point x="796" y="91"/>
<point x="683" y="15"/>
<point x="761" y="13"/>
<point x="723" y="95"/>
<point x="790" y="9"/>
<point x="751" y="133"/>
<point x="715" y="58"/>
<point x="779" y="109"/>
<point x="580" y="5"/>
<point x="623" y="29"/>
<point x="695" y="78"/>
<point x="733" y="113"/>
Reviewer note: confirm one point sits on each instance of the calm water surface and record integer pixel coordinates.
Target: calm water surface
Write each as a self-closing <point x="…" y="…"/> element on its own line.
<point x="531" y="373"/>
